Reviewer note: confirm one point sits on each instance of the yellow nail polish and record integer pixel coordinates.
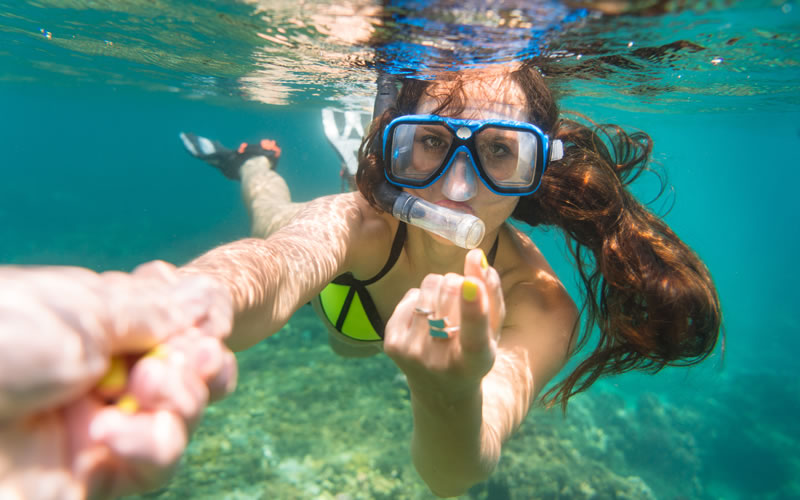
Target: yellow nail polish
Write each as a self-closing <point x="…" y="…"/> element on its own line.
<point x="128" y="404"/>
<point x="159" y="351"/>
<point x="484" y="262"/>
<point x="116" y="376"/>
<point x="469" y="290"/>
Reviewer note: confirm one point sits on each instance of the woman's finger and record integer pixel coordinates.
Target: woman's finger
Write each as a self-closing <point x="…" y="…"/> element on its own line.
<point x="223" y="382"/>
<point x="430" y="290"/>
<point x="147" y="309"/>
<point x="157" y="270"/>
<point x="398" y="328"/>
<point x="144" y="448"/>
<point x="450" y="304"/>
<point x="115" y="451"/>
<point x="474" y="334"/>
<point x="497" y="304"/>
<point x="168" y="383"/>
<point x="34" y="459"/>
<point x="428" y="308"/>
<point x="210" y="360"/>
<point x="212" y="304"/>
<point x="475" y="264"/>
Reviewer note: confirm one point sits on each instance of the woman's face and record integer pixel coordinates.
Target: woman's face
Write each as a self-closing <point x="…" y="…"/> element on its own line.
<point x="488" y="96"/>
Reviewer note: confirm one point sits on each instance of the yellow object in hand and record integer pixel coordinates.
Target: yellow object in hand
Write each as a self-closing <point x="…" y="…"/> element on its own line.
<point x="128" y="404"/>
<point x="115" y="379"/>
<point x="159" y="351"/>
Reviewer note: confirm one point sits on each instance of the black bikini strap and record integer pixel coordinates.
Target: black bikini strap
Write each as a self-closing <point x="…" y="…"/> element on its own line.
<point x="397" y="247"/>
<point x="394" y="254"/>
<point x="493" y="252"/>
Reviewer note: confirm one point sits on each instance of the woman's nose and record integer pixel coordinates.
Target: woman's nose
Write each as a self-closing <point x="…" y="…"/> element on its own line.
<point x="460" y="182"/>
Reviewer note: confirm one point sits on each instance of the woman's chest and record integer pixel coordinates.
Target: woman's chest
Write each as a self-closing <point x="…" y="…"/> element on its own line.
<point x="389" y="291"/>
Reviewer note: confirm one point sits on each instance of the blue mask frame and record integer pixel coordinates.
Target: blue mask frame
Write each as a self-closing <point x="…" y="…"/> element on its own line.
<point x="467" y="145"/>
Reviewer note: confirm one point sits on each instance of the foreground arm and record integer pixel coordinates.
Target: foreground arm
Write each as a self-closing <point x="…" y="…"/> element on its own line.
<point x="270" y="279"/>
<point x="470" y="392"/>
<point x="61" y="435"/>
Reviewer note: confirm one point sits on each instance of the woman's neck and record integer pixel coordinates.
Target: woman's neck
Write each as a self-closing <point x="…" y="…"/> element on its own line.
<point x="428" y="253"/>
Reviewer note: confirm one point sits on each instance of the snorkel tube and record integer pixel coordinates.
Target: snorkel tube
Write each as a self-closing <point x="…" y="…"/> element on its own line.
<point x="387" y="93"/>
<point x="465" y="230"/>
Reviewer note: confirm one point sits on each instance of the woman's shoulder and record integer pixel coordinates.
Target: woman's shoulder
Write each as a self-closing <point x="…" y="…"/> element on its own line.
<point x="541" y="317"/>
<point x="374" y="225"/>
<point x="351" y="210"/>
<point x="527" y="275"/>
<point x="369" y="232"/>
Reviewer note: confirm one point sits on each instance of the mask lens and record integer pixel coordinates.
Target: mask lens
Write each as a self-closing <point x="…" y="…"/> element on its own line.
<point x="418" y="150"/>
<point x="509" y="157"/>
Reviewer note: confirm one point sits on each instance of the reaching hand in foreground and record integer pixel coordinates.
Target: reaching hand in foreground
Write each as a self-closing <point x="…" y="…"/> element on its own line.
<point x="102" y="377"/>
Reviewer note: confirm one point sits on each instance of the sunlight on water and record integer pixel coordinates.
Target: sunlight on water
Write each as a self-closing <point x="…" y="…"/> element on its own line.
<point x="283" y="52"/>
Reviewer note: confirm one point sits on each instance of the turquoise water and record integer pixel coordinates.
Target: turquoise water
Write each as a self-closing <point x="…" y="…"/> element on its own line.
<point x="94" y="175"/>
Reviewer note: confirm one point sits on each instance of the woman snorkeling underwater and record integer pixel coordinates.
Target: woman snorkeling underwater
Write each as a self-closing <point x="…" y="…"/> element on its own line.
<point x="478" y="333"/>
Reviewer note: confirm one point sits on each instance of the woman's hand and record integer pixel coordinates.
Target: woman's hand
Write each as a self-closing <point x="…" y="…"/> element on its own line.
<point x="448" y="368"/>
<point x="68" y="431"/>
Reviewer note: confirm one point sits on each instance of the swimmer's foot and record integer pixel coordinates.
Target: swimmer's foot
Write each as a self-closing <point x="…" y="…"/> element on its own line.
<point x="229" y="161"/>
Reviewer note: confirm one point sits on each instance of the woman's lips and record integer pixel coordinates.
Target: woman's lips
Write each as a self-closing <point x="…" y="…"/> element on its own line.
<point x="456" y="205"/>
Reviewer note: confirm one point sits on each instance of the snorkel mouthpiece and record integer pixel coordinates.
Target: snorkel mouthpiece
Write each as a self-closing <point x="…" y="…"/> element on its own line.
<point x="465" y="230"/>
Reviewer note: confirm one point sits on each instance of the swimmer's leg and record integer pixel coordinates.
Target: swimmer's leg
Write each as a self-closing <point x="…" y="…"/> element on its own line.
<point x="266" y="196"/>
<point x="265" y="193"/>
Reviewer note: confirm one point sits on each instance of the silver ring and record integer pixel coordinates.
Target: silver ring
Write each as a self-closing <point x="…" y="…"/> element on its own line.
<point x="423" y="311"/>
<point x="437" y="328"/>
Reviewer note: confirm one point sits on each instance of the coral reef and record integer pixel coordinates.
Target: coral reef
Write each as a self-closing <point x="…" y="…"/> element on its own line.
<point x="306" y="423"/>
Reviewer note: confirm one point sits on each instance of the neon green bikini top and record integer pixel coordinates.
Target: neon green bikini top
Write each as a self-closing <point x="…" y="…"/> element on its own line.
<point x="348" y="305"/>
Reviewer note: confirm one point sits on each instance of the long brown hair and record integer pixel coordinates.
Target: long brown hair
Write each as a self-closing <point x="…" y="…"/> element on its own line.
<point x="650" y="296"/>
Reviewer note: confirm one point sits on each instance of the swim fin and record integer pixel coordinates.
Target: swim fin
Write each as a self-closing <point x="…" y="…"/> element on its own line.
<point x="344" y="130"/>
<point x="228" y="161"/>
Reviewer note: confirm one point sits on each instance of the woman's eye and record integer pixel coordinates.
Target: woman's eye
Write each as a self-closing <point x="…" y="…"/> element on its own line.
<point x="498" y="150"/>
<point x="433" y="142"/>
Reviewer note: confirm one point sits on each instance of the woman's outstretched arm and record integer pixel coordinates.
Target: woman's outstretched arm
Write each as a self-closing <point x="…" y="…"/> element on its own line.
<point x="270" y="279"/>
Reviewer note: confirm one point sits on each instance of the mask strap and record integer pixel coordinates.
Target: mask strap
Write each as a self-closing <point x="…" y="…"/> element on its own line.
<point x="556" y="150"/>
